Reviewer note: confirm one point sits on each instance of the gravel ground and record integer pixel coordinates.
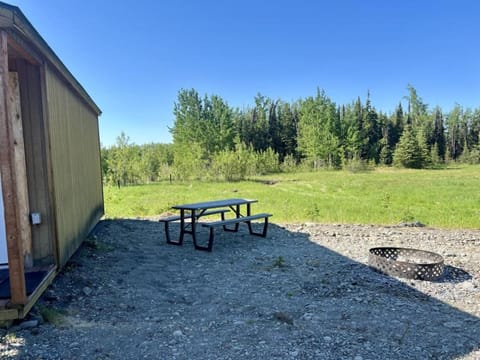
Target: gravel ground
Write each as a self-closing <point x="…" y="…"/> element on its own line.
<point x="304" y="292"/>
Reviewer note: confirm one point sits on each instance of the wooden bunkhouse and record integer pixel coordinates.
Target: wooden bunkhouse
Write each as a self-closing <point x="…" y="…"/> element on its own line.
<point x="51" y="189"/>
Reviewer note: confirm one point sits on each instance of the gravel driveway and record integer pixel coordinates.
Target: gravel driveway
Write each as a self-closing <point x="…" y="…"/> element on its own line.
<point x="304" y="292"/>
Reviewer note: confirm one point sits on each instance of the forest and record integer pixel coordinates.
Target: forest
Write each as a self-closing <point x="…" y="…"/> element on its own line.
<point x="212" y="140"/>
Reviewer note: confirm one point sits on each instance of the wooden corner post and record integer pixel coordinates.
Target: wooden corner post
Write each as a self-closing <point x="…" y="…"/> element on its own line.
<point x="9" y="186"/>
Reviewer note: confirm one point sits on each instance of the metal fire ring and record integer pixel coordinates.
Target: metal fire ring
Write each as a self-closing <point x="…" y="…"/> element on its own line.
<point x="406" y="263"/>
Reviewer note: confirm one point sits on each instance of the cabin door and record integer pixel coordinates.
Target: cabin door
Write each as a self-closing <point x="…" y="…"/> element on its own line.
<point x="3" y="234"/>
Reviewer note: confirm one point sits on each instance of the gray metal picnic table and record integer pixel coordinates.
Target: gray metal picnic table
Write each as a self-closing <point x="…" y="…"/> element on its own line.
<point x="194" y="211"/>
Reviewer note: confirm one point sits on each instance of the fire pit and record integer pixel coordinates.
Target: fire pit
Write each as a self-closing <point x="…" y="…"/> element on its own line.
<point x="406" y="263"/>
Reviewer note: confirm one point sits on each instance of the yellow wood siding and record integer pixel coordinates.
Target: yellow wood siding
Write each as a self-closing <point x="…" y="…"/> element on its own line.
<point x="35" y="141"/>
<point x="75" y="160"/>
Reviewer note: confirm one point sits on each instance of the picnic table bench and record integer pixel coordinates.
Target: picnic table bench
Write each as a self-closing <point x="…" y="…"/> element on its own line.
<point x="167" y="220"/>
<point x="195" y="211"/>
<point x="237" y="221"/>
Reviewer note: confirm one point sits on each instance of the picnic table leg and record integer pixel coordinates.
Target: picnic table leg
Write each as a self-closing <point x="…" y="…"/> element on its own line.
<point x="193" y="229"/>
<point x="182" y="228"/>
<point x="237" y="214"/>
<point x="167" y="235"/>
<point x="210" y="240"/>
<point x="249" y="223"/>
<point x="250" y="228"/>
<point x="194" y="236"/>
<point x="264" y="231"/>
<point x="210" y="243"/>
<point x="167" y="231"/>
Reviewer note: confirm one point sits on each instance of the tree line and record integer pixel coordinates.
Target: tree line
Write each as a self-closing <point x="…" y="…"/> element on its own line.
<point x="212" y="140"/>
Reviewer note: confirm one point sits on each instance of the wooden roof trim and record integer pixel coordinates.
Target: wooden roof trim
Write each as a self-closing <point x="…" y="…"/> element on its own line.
<point x="6" y="20"/>
<point x="13" y="18"/>
<point x="23" y="49"/>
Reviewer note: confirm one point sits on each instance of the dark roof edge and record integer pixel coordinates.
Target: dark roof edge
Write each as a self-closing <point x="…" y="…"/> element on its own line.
<point x="18" y="22"/>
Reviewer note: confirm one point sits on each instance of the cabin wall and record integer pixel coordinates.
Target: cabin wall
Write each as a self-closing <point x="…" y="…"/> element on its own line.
<point x="35" y="139"/>
<point x="75" y="164"/>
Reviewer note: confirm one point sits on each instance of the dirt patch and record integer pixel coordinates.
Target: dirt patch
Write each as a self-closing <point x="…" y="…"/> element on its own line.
<point x="266" y="182"/>
<point x="304" y="292"/>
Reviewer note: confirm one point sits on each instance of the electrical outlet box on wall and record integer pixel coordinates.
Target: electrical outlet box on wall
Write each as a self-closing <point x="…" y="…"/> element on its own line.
<point x="35" y="218"/>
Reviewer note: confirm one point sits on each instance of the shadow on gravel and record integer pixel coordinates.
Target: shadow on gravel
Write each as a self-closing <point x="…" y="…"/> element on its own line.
<point x="454" y="274"/>
<point x="281" y="297"/>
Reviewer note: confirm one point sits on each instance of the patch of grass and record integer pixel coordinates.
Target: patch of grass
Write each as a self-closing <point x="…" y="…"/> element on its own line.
<point x="70" y="266"/>
<point x="386" y="200"/>
<point x="407" y="216"/>
<point x="313" y="212"/>
<point x="10" y="337"/>
<point x="51" y="315"/>
<point x="446" y="198"/>
<point x="93" y="243"/>
<point x="279" y="262"/>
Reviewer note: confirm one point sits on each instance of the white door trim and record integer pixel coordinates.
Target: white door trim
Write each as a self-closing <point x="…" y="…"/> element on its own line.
<point x="3" y="235"/>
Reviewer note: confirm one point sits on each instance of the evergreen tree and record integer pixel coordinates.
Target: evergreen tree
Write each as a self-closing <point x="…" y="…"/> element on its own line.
<point x="257" y="134"/>
<point x="439" y="135"/>
<point x="454" y="138"/>
<point x="417" y="109"/>
<point x="474" y="129"/>
<point x="409" y="153"/>
<point x="370" y="133"/>
<point x="274" y="128"/>
<point x="423" y="148"/>
<point x="397" y="125"/>
<point x="386" y="143"/>
<point x="351" y="143"/>
<point x="385" y="152"/>
<point x="288" y="123"/>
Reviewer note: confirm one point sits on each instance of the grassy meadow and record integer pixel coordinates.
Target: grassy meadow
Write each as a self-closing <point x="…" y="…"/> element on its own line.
<point x="446" y="198"/>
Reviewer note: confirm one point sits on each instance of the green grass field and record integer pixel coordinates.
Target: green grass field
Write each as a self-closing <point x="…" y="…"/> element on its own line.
<point x="447" y="198"/>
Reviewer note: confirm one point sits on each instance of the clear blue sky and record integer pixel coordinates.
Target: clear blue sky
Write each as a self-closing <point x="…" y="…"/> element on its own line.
<point x="133" y="57"/>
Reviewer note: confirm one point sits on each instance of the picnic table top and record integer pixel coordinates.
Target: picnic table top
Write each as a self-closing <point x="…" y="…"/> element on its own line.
<point x="214" y="204"/>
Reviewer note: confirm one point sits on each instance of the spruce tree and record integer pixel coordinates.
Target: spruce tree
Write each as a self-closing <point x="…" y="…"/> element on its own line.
<point x="408" y="152"/>
<point x="439" y="135"/>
